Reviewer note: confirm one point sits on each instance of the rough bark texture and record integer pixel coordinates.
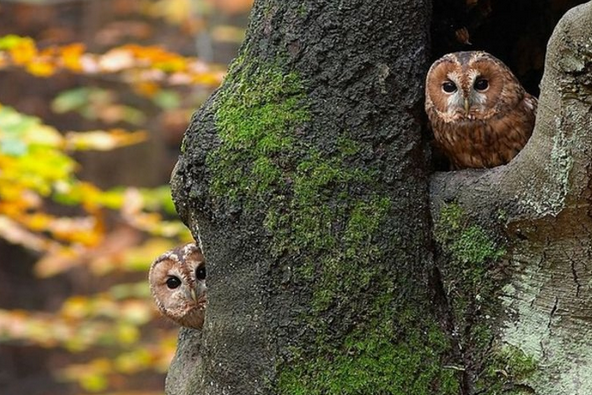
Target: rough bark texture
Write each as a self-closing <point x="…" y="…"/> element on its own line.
<point x="525" y="325"/>
<point x="307" y="177"/>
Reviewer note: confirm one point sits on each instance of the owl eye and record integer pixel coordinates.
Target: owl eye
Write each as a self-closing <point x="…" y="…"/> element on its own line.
<point x="200" y="273"/>
<point x="481" y="84"/>
<point x="449" y="87"/>
<point x="173" y="282"/>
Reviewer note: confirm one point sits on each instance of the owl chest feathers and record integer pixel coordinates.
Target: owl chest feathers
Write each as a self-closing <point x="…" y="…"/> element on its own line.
<point x="486" y="141"/>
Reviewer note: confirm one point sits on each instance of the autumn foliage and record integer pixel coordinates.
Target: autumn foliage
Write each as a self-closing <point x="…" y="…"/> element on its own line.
<point x="70" y="224"/>
<point x="38" y="175"/>
<point x="136" y="63"/>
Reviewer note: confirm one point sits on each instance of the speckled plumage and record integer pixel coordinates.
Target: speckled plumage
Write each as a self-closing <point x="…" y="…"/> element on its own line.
<point x="478" y="128"/>
<point x="186" y="302"/>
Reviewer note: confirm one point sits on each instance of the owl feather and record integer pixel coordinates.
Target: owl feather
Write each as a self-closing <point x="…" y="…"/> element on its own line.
<point x="480" y="114"/>
<point x="177" y="283"/>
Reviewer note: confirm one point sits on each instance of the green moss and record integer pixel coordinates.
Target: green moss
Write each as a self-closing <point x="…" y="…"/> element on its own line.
<point x="469" y="253"/>
<point x="450" y="221"/>
<point x="371" y="363"/>
<point x="305" y="222"/>
<point x="474" y="246"/>
<point x="331" y="215"/>
<point x="470" y="248"/>
<point x="468" y="274"/>
<point x="381" y="356"/>
<point x="257" y="112"/>
<point x="468" y="244"/>
<point x="507" y="370"/>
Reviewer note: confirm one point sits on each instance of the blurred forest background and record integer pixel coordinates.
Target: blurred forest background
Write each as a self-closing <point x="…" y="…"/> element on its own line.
<point x="94" y="98"/>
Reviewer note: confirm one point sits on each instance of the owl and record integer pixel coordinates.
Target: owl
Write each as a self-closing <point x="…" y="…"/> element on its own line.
<point x="480" y="114"/>
<point x="178" y="284"/>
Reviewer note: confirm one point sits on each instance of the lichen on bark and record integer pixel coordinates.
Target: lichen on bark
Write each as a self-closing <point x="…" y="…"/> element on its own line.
<point x="540" y="317"/>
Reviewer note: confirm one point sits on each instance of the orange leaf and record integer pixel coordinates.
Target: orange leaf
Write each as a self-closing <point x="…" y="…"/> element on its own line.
<point x="71" y="55"/>
<point x="23" y="52"/>
<point x="146" y="88"/>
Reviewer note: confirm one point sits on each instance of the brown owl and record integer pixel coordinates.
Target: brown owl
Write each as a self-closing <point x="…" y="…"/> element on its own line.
<point x="177" y="283"/>
<point x="480" y="114"/>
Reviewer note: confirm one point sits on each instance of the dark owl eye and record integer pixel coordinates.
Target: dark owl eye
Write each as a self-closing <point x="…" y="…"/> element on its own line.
<point x="173" y="282"/>
<point x="448" y="87"/>
<point x="481" y="84"/>
<point x="200" y="273"/>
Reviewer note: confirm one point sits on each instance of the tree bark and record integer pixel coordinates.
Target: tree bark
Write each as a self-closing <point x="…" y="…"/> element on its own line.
<point x="303" y="172"/>
<point x="534" y="318"/>
<point x="305" y="178"/>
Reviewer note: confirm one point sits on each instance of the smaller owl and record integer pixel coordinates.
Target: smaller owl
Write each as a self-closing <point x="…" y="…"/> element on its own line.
<point x="480" y="114"/>
<point x="178" y="284"/>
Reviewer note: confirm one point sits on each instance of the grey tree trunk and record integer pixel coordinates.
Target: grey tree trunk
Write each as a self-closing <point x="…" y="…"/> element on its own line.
<point x="516" y="241"/>
<point x="305" y="177"/>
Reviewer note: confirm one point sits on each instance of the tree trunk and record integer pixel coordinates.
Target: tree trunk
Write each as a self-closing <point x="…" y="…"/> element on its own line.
<point x="516" y="241"/>
<point x="307" y="176"/>
<point x="303" y="172"/>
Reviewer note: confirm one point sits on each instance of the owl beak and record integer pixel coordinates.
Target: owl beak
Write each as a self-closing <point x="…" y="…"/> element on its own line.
<point x="193" y="294"/>
<point x="467" y="106"/>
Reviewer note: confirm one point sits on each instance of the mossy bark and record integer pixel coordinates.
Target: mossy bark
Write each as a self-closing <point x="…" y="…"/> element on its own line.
<point x="527" y="327"/>
<point x="306" y="180"/>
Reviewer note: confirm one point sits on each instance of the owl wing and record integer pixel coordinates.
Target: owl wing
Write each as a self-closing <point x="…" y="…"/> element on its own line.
<point x="531" y="103"/>
<point x="516" y="127"/>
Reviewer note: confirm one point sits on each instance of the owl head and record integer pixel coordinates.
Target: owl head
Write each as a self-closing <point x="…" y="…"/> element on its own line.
<point x="177" y="283"/>
<point x="467" y="86"/>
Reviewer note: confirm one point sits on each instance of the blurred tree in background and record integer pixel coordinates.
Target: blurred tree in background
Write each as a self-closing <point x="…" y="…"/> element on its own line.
<point x="95" y="98"/>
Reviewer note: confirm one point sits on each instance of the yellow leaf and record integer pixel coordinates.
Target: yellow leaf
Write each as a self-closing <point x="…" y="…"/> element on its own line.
<point x="207" y="78"/>
<point x="38" y="221"/>
<point x="24" y="51"/>
<point x="40" y="68"/>
<point x="75" y="307"/>
<point x="95" y="382"/>
<point x="127" y="334"/>
<point x="133" y="362"/>
<point x="170" y="65"/>
<point x="103" y="140"/>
